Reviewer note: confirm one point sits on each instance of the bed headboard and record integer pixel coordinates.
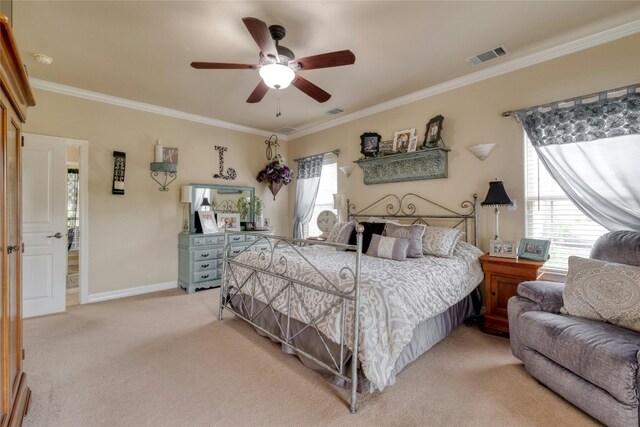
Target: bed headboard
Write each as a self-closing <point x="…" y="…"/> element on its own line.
<point x="414" y="209"/>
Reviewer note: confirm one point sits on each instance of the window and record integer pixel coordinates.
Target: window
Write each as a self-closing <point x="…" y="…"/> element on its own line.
<point x="551" y="215"/>
<point x="324" y="200"/>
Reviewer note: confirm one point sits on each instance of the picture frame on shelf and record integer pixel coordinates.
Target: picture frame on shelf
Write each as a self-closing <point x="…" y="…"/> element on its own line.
<point x="208" y="222"/>
<point x="413" y="144"/>
<point x="229" y="221"/>
<point x="369" y="144"/>
<point x="534" y="249"/>
<point x="170" y="155"/>
<point x="433" y="132"/>
<point x="402" y="138"/>
<point x="250" y="226"/>
<point x="267" y="223"/>
<point x="386" y="147"/>
<point x="503" y="248"/>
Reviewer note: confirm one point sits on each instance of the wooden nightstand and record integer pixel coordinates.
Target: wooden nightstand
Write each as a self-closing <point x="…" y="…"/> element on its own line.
<point x="502" y="277"/>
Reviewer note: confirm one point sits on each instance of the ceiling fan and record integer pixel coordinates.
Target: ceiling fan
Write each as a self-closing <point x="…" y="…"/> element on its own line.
<point x="278" y="65"/>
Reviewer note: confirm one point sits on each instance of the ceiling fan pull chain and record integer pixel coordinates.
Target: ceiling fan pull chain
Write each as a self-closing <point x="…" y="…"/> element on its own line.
<point x="278" y="114"/>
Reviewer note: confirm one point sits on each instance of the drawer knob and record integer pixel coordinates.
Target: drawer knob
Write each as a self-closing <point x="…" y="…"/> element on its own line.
<point x="204" y="255"/>
<point x="205" y="265"/>
<point x="204" y="276"/>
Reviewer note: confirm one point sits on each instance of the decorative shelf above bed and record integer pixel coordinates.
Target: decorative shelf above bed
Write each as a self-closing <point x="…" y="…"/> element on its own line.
<point x="428" y="163"/>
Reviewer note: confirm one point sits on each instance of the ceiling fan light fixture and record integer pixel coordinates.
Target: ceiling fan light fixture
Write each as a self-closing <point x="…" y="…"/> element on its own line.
<point x="277" y="76"/>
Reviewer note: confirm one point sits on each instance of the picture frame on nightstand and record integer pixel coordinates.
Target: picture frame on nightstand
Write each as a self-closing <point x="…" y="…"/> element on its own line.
<point x="503" y="248"/>
<point x="534" y="249"/>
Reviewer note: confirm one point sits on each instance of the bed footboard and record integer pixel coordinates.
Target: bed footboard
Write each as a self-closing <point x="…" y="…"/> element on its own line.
<point x="246" y="274"/>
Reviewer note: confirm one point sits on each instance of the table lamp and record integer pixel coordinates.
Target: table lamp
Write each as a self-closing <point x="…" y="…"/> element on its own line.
<point x="497" y="196"/>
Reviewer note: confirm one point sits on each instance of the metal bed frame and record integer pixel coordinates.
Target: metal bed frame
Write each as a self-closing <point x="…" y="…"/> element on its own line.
<point x="271" y="263"/>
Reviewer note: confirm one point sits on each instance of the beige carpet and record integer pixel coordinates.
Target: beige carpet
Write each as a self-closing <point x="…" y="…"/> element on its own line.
<point x="164" y="360"/>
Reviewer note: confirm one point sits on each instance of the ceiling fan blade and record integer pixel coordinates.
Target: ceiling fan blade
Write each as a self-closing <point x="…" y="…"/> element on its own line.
<point x="221" y="66"/>
<point x="310" y="89"/>
<point x="327" y="60"/>
<point x="258" y="93"/>
<point x="261" y="34"/>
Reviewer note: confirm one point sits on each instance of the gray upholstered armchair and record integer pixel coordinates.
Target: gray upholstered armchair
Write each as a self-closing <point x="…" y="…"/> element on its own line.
<point x="592" y="364"/>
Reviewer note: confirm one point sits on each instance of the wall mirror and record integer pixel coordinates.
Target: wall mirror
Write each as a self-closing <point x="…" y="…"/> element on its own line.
<point x="222" y="198"/>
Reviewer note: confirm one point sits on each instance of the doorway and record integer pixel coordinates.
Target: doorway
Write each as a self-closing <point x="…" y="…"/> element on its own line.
<point x="55" y="224"/>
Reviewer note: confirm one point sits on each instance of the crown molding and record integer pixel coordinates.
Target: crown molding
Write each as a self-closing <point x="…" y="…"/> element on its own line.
<point x="149" y="108"/>
<point x="578" y="45"/>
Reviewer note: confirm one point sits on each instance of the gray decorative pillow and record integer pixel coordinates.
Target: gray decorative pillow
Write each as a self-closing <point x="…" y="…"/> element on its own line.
<point x="603" y="291"/>
<point x="333" y="234"/>
<point x="413" y="233"/>
<point x="344" y="234"/>
<point x="440" y="241"/>
<point x="388" y="247"/>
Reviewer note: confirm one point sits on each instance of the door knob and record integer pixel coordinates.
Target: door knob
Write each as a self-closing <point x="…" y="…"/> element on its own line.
<point x="58" y="235"/>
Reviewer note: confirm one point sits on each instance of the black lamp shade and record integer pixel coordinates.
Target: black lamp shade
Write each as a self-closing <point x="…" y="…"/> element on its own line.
<point x="497" y="195"/>
<point x="205" y="202"/>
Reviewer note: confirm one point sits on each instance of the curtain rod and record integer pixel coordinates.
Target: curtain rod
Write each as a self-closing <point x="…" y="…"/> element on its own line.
<point x="336" y="152"/>
<point x="603" y="94"/>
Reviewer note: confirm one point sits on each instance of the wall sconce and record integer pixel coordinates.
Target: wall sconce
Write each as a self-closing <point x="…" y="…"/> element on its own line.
<point x="185" y="198"/>
<point x="347" y="170"/>
<point x="482" y="151"/>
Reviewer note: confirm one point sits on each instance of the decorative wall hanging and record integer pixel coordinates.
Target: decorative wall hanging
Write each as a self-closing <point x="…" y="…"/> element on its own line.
<point x="432" y="135"/>
<point x="231" y="173"/>
<point x="119" y="163"/>
<point x="427" y="163"/>
<point x="168" y="170"/>
<point x="369" y="144"/>
<point x="272" y="146"/>
<point x="275" y="174"/>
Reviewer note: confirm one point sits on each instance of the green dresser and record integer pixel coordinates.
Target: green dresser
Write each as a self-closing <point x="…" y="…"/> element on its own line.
<point x="200" y="257"/>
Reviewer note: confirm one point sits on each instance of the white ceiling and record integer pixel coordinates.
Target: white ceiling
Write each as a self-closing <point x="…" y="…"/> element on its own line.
<point x="141" y="50"/>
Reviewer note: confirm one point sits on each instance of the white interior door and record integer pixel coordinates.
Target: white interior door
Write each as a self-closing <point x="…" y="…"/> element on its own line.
<point x="44" y="216"/>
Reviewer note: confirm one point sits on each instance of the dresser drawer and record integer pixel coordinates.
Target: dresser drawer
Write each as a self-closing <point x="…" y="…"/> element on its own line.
<point x="236" y="238"/>
<point x="259" y="247"/>
<point x="214" y="240"/>
<point x="207" y="254"/>
<point x="236" y="250"/>
<point x="204" y="276"/>
<point x="206" y="265"/>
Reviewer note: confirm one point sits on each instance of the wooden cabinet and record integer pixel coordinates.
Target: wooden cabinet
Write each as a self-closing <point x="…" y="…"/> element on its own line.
<point x="502" y="277"/>
<point x="15" y="97"/>
<point x="200" y="257"/>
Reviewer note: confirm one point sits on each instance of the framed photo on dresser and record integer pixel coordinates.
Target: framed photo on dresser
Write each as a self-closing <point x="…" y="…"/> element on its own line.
<point x="229" y="221"/>
<point x="208" y="222"/>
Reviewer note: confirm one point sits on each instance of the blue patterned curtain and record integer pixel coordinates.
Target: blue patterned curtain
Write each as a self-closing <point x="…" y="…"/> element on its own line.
<point x="592" y="150"/>
<point x="307" y="183"/>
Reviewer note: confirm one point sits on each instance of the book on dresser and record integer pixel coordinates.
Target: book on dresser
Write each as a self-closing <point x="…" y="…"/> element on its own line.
<point x="200" y="257"/>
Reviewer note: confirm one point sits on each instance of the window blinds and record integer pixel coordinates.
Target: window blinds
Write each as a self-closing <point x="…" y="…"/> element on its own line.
<point x="552" y="216"/>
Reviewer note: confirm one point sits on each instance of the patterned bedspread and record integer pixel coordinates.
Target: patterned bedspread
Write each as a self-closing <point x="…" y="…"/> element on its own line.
<point x="395" y="295"/>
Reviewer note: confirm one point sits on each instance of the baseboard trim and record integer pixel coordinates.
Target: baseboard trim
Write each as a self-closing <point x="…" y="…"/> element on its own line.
<point x="105" y="296"/>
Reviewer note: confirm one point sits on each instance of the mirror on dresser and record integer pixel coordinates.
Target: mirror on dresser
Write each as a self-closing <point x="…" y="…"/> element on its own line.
<point x="222" y="199"/>
<point x="200" y="256"/>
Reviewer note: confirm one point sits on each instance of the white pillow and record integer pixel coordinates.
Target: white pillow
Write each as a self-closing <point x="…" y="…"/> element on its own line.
<point x="440" y="241"/>
<point x="603" y="291"/>
<point x="333" y="234"/>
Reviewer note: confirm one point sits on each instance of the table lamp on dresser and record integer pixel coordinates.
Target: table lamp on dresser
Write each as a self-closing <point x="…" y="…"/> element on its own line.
<point x="497" y="196"/>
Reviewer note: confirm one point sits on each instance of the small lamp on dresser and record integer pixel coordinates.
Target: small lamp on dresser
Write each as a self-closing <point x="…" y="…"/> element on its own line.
<point x="497" y="196"/>
<point x="185" y="199"/>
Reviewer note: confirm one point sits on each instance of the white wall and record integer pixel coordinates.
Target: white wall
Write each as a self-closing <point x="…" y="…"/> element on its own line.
<point x="133" y="238"/>
<point x="472" y="116"/>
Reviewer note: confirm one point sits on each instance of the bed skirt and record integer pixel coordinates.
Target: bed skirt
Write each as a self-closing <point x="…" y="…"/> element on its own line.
<point x="427" y="334"/>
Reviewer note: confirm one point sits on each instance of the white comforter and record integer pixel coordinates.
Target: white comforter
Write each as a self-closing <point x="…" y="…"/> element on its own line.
<point x="395" y="295"/>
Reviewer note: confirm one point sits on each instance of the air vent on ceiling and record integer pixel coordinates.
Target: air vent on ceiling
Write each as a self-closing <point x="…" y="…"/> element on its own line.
<point x="334" y="111"/>
<point x="487" y="56"/>
<point x="287" y="130"/>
